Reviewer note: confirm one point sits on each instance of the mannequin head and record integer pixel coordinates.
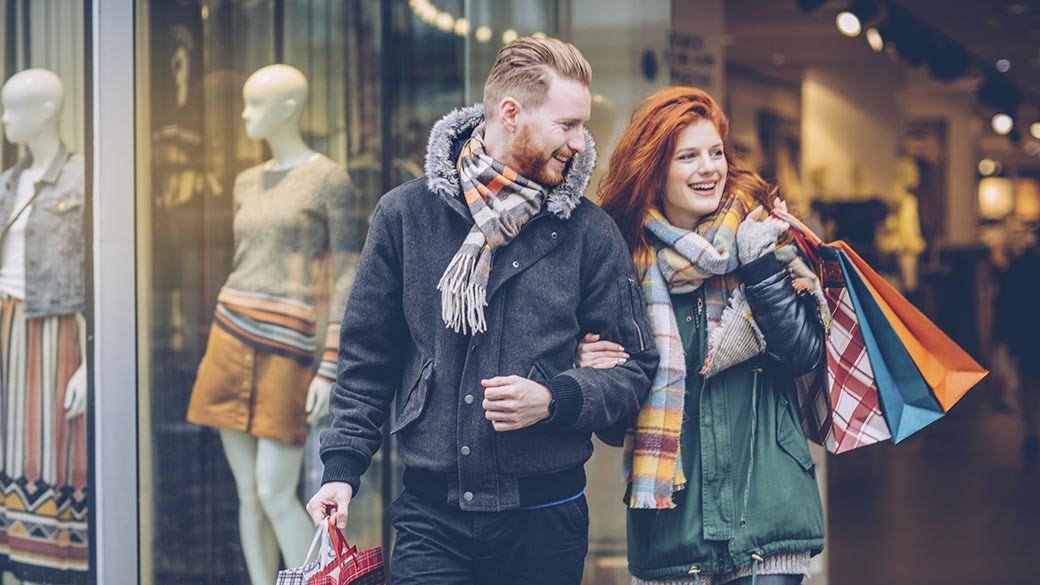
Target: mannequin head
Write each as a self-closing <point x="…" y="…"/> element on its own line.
<point x="32" y="101"/>
<point x="274" y="97"/>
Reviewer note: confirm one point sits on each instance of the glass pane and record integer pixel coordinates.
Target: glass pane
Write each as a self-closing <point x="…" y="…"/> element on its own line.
<point x="43" y="381"/>
<point x="258" y="182"/>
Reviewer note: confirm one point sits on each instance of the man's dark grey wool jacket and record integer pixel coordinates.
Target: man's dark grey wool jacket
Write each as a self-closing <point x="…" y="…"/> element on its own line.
<point x="567" y="273"/>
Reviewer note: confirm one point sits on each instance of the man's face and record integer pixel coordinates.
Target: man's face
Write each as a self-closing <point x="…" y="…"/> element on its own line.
<point x="548" y="136"/>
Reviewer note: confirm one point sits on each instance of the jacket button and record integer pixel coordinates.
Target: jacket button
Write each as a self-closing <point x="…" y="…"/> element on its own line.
<point x="553" y="235"/>
<point x="464" y="450"/>
<point x="516" y="264"/>
<point x="689" y="319"/>
<point x="468" y="496"/>
<point x="469" y="398"/>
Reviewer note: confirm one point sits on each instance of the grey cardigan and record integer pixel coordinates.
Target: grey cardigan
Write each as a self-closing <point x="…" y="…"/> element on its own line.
<point x="567" y="273"/>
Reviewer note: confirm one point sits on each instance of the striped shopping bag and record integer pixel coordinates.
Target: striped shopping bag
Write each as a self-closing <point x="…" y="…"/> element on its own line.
<point x="840" y="403"/>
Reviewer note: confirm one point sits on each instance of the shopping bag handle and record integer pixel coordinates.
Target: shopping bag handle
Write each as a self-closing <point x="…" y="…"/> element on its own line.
<point x="312" y="551"/>
<point x="798" y="226"/>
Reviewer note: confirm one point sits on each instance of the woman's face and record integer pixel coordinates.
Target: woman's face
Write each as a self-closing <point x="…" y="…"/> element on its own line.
<point x="696" y="175"/>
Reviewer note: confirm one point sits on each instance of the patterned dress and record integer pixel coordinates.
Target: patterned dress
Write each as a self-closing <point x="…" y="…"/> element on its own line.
<point x="43" y="513"/>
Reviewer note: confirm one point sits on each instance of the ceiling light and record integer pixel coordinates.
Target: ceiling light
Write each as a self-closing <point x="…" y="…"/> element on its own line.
<point x="1002" y="124"/>
<point x="538" y="35"/>
<point x="874" y="40"/>
<point x="1034" y="130"/>
<point x="509" y="35"/>
<point x="848" y="24"/>
<point x="483" y="33"/>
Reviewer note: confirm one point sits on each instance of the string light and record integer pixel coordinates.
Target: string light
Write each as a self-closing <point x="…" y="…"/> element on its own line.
<point x="461" y="27"/>
<point x="483" y="34"/>
<point x="509" y="36"/>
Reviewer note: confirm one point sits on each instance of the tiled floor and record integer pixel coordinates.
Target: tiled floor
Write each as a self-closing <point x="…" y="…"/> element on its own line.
<point x="957" y="504"/>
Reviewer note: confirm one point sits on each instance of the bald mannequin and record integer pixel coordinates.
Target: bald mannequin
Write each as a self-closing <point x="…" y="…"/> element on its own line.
<point x="271" y="517"/>
<point x="274" y="100"/>
<point x="32" y="101"/>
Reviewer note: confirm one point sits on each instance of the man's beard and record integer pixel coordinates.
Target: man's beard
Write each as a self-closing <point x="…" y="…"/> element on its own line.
<point x="532" y="163"/>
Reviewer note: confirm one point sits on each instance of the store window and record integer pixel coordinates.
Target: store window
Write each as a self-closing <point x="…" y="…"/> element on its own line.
<point x="45" y="500"/>
<point x="267" y="132"/>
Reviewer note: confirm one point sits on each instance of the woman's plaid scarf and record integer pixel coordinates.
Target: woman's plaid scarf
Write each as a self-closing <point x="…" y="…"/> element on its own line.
<point x="500" y="201"/>
<point x="684" y="262"/>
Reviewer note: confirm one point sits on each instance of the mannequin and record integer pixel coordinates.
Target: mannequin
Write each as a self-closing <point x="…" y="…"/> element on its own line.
<point x="260" y="307"/>
<point x="901" y="233"/>
<point x="41" y="283"/>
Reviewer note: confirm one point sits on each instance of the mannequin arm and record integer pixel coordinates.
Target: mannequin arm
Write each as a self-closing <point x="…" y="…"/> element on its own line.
<point x="76" y="391"/>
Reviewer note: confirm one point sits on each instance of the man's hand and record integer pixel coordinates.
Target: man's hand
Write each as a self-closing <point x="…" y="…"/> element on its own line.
<point x="512" y="402"/>
<point x="331" y="500"/>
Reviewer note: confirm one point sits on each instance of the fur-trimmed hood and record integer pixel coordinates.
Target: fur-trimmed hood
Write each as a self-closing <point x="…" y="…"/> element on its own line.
<point x="443" y="178"/>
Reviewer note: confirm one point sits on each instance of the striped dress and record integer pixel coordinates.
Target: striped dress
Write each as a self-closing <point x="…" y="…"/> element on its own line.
<point x="43" y="513"/>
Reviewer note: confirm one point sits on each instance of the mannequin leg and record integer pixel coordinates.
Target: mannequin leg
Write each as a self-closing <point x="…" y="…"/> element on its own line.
<point x="10" y="579"/>
<point x="259" y="545"/>
<point x="278" y="474"/>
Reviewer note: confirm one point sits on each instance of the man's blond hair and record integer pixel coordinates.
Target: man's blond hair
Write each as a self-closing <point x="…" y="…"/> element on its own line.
<point x="523" y="70"/>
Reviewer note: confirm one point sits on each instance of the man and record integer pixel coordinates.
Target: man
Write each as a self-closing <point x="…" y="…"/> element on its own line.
<point x="474" y="287"/>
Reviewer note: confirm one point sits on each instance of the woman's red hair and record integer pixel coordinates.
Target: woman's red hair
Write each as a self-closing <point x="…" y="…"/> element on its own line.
<point x="638" y="169"/>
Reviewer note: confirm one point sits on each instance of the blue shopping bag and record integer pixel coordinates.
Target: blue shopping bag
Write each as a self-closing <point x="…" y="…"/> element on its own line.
<point x="906" y="400"/>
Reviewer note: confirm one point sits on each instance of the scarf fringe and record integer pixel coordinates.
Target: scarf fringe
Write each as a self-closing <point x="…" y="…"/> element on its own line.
<point x="462" y="299"/>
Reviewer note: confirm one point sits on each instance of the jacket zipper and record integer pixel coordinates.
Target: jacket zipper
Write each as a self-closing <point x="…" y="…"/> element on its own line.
<point x="639" y="331"/>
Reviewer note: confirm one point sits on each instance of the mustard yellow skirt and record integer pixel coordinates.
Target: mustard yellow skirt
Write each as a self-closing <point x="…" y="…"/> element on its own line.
<point x="244" y="389"/>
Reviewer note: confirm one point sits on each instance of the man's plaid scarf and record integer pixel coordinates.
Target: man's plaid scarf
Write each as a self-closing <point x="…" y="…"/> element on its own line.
<point x="684" y="262"/>
<point x="500" y="201"/>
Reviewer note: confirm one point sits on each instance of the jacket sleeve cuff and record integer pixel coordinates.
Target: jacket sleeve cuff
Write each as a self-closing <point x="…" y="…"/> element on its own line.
<point x="760" y="269"/>
<point x="567" y="400"/>
<point x="344" y="466"/>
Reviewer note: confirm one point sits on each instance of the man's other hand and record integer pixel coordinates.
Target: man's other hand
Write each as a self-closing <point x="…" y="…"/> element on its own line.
<point x="512" y="402"/>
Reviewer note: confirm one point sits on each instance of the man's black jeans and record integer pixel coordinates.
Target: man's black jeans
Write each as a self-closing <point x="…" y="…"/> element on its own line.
<point x="438" y="544"/>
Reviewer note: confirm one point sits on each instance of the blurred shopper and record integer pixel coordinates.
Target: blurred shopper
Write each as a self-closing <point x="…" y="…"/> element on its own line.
<point x="1017" y="324"/>
<point x="721" y="483"/>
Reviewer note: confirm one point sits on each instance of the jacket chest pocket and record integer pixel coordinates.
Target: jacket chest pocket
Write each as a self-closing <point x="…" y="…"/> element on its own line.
<point x="414" y="403"/>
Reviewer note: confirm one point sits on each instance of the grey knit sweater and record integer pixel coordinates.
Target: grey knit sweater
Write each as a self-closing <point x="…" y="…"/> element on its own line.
<point x="288" y="224"/>
<point x="780" y="564"/>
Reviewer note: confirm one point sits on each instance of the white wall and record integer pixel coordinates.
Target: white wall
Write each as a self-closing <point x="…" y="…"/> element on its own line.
<point x="851" y="123"/>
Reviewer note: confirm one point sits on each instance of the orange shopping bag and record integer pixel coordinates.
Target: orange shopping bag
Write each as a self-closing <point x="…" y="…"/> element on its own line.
<point x="947" y="369"/>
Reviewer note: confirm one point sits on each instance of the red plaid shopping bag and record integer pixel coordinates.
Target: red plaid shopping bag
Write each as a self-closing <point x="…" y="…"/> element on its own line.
<point x="338" y="563"/>
<point x="840" y="406"/>
<point x="857" y="419"/>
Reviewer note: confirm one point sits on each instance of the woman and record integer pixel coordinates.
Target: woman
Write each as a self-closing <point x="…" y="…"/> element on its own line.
<point x="721" y="483"/>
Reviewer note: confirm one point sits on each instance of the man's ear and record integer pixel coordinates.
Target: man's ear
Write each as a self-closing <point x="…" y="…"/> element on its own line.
<point x="508" y="111"/>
